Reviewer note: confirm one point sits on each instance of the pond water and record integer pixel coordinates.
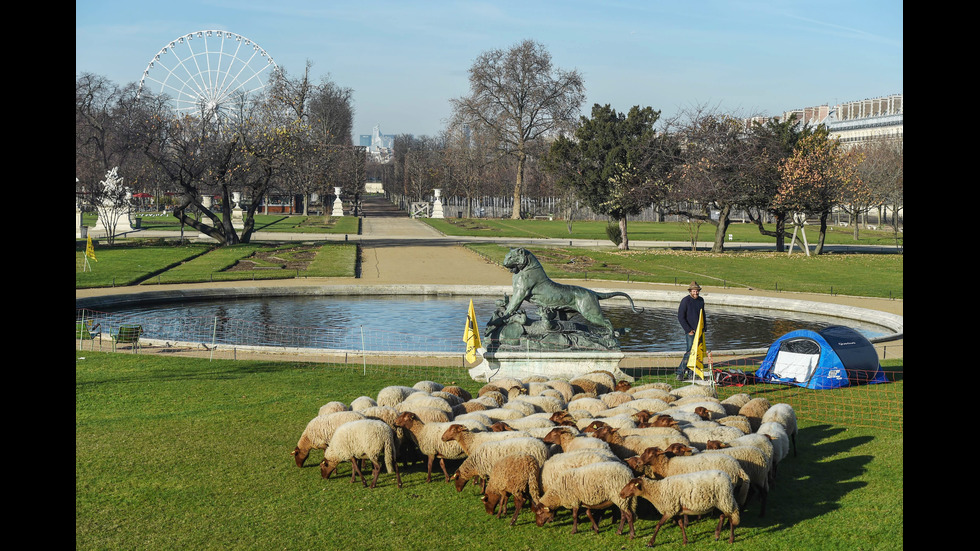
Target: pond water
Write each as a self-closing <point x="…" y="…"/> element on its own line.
<point x="436" y="323"/>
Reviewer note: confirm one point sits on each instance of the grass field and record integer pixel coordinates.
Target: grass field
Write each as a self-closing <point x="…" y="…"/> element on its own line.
<point x="263" y="223"/>
<point x="646" y="231"/>
<point x="185" y="453"/>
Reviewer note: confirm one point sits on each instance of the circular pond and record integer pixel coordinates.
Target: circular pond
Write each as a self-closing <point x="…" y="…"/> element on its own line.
<point x="434" y="323"/>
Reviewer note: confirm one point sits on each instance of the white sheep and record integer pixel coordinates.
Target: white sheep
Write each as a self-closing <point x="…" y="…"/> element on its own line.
<point x="514" y="475"/>
<point x="780" y="440"/>
<point x="657" y="463"/>
<point x="393" y="395"/>
<point x="319" y="431"/>
<point x="785" y="415"/>
<point x="625" y="446"/>
<point x="428" y="386"/>
<point x="688" y="494"/>
<point x="735" y="402"/>
<point x="694" y="390"/>
<point x="333" y="407"/>
<point x="364" y="439"/>
<point x="362" y="402"/>
<point x="588" y="405"/>
<point x="569" y="440"/>
<point x="561" y="462"/>
<point x="699" y="436"/>
<point x="593" y="486"/>
<point x="756" y="465"/>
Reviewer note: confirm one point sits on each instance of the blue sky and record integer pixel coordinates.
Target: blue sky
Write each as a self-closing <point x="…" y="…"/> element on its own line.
<point x="406" y="59"/>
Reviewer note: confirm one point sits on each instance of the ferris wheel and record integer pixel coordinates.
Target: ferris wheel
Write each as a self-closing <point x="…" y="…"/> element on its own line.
<point x="207" y="72"/>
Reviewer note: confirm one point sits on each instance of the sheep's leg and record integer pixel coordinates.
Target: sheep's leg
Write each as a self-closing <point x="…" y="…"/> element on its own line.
<point x="595" y="524"/>
<point x="656" y="529"/>
<point x="518" y="505"/>
<point x="684" y="530"/>
<point x="376" y="471"/>
<point x="428" y="477"/>
<point x="574" y="520"/>
<point x="442" y="463"/>
<point x="356" y="471"/>
<point x="398" y="475"/>
<point x="721" y="521"/>
<point x="731" y="534"/>
<point x="504" y="498"/>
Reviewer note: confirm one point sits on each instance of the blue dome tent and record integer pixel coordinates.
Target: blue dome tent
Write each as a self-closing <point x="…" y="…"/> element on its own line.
<point x="833" y="357"/>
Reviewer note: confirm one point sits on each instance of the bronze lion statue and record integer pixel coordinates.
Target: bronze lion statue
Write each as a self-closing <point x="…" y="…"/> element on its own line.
<point x="530" y="283"/>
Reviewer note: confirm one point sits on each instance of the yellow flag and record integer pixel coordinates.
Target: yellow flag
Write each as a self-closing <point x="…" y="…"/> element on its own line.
<point x="90" y="250"/>
<point x="471" y="335"/>
<point x="695" y="362"/>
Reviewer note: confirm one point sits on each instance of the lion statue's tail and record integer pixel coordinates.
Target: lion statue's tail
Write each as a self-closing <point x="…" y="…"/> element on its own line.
<point x="603" y="296"/>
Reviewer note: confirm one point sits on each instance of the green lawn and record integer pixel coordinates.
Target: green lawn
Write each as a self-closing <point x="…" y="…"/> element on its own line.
<point x="135" y="262"/>
<point x="185" y="453"/>
<point x="641" y="231"/>
<point x="873" y="275"/>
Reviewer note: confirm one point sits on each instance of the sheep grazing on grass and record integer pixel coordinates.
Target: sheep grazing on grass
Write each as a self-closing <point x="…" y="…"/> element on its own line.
<point x="428" y="438"/>
<point x="756" y="465"/>
<point x="363" y="402"/>
<point x="780" y="440"/>
<point x="697" y="493"/>
<point x="482" y="458"/>
<point x="365" y="439"/>
<point x="657" y="464"/>
<point x="785" y="415"/>
<point x="514" y="475"/>
<point x="319" y="431"/>
<point x="594" y="486"/>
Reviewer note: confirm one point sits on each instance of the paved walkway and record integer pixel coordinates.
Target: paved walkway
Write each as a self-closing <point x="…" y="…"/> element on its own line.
<point x="398" y="250"/>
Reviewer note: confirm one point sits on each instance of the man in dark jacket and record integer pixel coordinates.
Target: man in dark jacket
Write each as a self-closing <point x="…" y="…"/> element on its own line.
<point x="688" y="314"/>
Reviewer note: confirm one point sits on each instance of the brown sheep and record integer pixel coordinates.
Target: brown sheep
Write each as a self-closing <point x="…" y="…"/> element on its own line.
<point x="514" y="475"/>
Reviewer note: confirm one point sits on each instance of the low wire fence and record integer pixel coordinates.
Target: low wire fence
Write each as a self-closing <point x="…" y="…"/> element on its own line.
<point x="372" y="351"/>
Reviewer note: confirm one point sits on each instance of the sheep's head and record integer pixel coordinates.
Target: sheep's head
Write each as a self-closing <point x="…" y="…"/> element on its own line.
<point x="327" y="468"/>
<point x="716" y="445"/>
<point x="678" y="449"/>
<point x="490" y="501"/>
<point x="453" y="432"/>
<point x="663" y="421"/>
<point x="649" y="454"/>
<point x="458" y="481"/>
<point x="703" y="413"/>
<point x="406" y="419"/>
<point x="553" y="436"/>
<point x="500" y="426"/>
<point x="300" y="455"/>
<point x="594" y="426"/>
<point x="542" y="514"/>
<point x="633" y="488"/>
<point x="635" y="463"/>
<point x="642" y="416"/>
<point x="623" y="386"/>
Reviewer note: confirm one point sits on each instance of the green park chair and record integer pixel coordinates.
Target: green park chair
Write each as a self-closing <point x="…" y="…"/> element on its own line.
<point x="127" y="334"/>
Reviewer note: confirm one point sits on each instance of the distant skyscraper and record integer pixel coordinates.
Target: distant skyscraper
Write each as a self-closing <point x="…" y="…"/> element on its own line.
<point x="379" y="145"/>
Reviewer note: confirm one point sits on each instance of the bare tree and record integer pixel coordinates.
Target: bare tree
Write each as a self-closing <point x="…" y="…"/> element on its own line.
<point x="521" y="98"/>
<point x="717" y="170"/>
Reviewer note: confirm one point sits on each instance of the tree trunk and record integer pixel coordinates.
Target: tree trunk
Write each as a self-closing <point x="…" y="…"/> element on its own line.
<point x="624" y="242"/>
<point x="823" y="232"/>
<point x="780" y="232"/>
<point x="721" y="229"/>
<point x="518" y="187"/>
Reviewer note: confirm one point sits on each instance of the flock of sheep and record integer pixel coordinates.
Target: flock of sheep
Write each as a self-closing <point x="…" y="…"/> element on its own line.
<point x="587" y="443"/>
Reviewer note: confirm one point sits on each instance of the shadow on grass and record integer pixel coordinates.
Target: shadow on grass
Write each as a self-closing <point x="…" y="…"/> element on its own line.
<point x="812" y="483"/>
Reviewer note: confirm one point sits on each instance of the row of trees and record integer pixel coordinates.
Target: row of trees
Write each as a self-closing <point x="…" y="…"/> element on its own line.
<point x="517" y="132"/>
<point x="293" y="139"/>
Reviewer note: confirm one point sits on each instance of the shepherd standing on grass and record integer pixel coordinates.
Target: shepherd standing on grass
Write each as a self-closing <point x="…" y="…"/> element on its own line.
<point x="689" y="315"/>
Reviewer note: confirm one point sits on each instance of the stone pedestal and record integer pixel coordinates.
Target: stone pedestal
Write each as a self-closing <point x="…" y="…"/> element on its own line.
<point x="206" y="201"/>
<point x="338" y="205"/>
<point x="237" y="215"/>
<point x="437" y="205"/>
<point x="553" y="365"/>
